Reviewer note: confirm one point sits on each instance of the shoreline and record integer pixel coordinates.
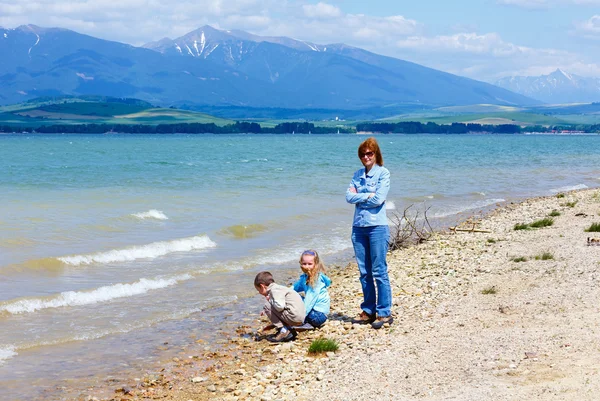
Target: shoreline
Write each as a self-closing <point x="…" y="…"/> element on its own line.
<point x="470" y="323"/>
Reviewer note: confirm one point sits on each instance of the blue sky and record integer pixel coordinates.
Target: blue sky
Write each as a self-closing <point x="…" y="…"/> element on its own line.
<point x="480" y="39"/>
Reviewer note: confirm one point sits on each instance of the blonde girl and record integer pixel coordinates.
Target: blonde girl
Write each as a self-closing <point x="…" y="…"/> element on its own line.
<point x="313" y="282"/>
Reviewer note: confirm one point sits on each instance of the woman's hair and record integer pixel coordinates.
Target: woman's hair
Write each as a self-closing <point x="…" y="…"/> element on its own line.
<point x="265" y="278"/>
<point x="371" y="144"/>
<point x="313" y="275"/>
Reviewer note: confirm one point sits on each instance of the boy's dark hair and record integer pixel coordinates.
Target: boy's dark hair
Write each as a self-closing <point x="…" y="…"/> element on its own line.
<point x="265" y="278"/>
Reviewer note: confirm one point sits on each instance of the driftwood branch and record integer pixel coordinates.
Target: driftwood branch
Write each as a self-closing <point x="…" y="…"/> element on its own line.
<point x="469" y="230"/>
<point x="407" y="229"/>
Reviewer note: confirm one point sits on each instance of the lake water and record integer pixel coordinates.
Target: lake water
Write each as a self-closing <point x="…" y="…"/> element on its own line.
<point x="110" y="244"/>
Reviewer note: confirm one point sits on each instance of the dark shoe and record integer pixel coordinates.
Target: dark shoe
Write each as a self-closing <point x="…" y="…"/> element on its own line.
<point x="282" y="337"/>
<point x="380" y="321"/>
<point x="364" y="318"/>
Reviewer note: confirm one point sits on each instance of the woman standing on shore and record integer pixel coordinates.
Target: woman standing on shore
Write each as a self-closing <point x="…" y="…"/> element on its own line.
<point x="370" y="234"/>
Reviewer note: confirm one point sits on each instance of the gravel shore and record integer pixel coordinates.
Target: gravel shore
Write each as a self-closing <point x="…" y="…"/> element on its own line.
<point x="502" y="314"/>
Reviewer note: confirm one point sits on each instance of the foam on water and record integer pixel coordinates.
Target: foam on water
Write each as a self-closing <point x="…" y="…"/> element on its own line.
<point x="101" y="294"/>
<point x="568" y="188"/>
<point x="6" y="353"/>
<point x="149" y="251"/>
<point x="390" y="205"/>
<point x="151" y="214"/>
<point x="452" y="210"/>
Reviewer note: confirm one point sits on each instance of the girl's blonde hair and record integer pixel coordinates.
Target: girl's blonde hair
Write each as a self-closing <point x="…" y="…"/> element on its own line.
<point x="313" y="275"/>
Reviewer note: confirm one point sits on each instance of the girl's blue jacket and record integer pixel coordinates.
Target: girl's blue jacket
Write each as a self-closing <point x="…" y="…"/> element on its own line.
<point x="314" y="298"/>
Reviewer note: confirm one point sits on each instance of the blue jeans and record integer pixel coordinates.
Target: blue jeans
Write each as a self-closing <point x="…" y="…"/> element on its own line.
<point x="370" y="249"/>
<point x="315" y="318"/>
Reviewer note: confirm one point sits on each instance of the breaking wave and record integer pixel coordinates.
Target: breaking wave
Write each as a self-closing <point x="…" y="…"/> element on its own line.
<point x="149" y="251"/>
<point x="101" y="294"/>
<point x="6" y="353"/>
<point x="568" y="188"/>
<point x="151" y="214"/>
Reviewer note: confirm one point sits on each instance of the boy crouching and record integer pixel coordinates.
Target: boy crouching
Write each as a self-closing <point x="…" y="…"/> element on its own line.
<point x="284" y="307"/>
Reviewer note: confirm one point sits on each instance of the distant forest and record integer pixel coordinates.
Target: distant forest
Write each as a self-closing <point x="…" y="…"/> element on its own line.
<point x="410" y="127"/>
<point x="299" y="128"/>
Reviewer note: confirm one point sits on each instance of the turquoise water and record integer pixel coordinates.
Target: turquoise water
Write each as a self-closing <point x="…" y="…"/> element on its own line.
<point x="114" y="240"/>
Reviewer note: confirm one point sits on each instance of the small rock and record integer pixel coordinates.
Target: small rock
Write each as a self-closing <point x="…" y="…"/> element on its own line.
<point x="125" y="390"/>
<point x="198" y="379"/>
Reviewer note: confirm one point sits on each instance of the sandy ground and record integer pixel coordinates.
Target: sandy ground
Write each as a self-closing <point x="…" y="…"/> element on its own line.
<point x="471" y="323"/>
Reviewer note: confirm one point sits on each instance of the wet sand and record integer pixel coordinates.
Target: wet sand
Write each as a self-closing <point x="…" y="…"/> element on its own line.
<point x="478" y="315"/>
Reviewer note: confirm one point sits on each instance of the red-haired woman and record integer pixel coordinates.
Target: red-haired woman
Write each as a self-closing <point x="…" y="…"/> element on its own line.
<point x="370" y="234"/>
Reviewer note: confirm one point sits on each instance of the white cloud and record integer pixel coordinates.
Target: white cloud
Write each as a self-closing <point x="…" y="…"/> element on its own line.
<point x="590" y="28"/>
<point x="136" y="21"/>
<point x="489" y="57"/>
<point x="489" y="44"/>
<point x="376" y="33"/>
<point x="321" y="10"/>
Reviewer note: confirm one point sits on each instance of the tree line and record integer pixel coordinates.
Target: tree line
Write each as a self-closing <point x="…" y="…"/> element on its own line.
<point x="415" y="127"/>
<point x="183" y="128"/>
<point x="406" y="127"/>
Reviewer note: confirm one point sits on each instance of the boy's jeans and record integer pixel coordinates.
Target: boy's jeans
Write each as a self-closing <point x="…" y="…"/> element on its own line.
<point x="370" y="248"/>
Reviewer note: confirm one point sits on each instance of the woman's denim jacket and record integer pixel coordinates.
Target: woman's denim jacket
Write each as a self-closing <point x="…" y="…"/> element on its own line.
<point x="369" y="211"/>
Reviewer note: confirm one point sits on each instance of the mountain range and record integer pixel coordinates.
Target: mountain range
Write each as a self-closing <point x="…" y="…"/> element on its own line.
<point x="210" y="67"/>
<point x="555" y="88"/>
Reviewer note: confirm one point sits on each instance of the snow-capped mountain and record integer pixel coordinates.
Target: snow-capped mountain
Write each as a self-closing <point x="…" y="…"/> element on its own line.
<point x="557" y="87"/>
<point x="226" y="68"/>
<point x="230" y="45"/>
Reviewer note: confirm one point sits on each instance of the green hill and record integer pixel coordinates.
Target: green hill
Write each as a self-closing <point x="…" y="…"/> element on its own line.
<point x="98" y="110"/>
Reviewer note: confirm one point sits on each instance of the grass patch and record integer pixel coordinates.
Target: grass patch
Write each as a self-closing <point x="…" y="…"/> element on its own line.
<point x="594" y="228"/>
<point x="521" y="226"/>
<point x="489" y="290"/>
<point x="596" y="196"/>
<point x="554" y="213"/>
<point x="560" y="196"/>
<point x="542" y="223"/>
<point x="322" y="345"/>
<point x="544" y="256"/>
<point x="491" y="241"/>
<point x="570" y="204"/>
<point x="519" y="259"/>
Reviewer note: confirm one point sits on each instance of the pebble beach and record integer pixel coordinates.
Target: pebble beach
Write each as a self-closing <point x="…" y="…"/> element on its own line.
<point x="485" y="312"/>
